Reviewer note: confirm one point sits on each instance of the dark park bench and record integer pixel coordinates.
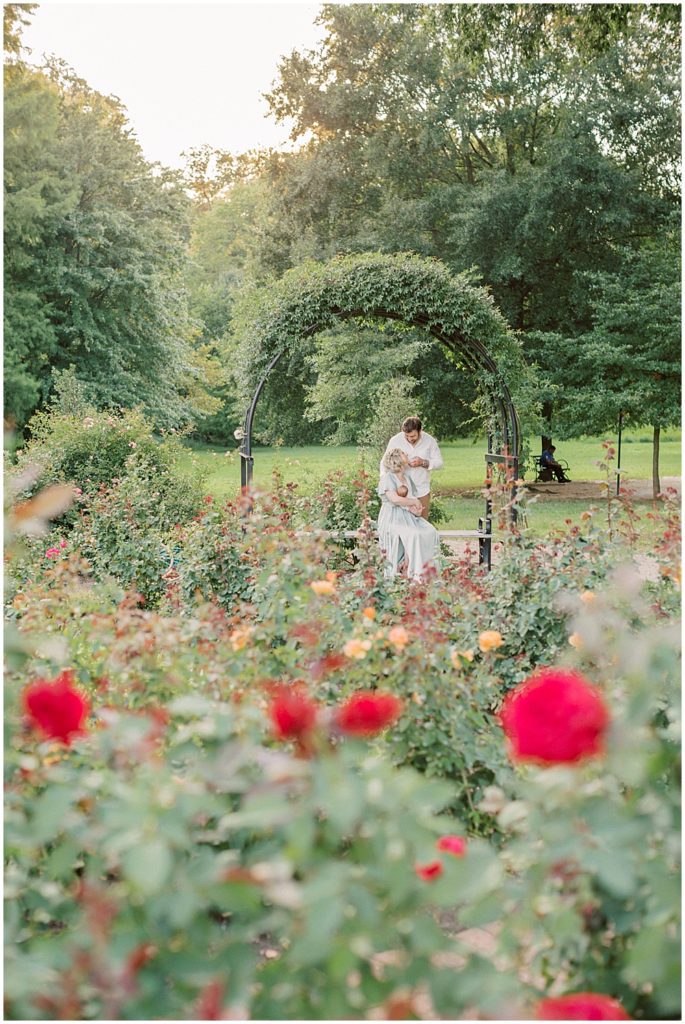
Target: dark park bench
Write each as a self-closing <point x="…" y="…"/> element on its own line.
<point x="543" y="474"/>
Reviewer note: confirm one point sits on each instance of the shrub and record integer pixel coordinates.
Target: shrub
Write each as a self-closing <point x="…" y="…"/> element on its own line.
<point x="122" y="532"/>
<point x="182" y="856"/>
<point x="130" y="493"/>
<point x="209" y="558"/>
<point x="100" y="448"/>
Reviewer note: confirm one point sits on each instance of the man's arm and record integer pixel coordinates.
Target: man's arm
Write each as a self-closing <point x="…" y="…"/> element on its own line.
<point x="434" y="456"/>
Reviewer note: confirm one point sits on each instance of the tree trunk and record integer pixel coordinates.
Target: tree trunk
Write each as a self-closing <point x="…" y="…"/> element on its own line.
<point x="547" y="417"/>
<point x="656" y="484"/>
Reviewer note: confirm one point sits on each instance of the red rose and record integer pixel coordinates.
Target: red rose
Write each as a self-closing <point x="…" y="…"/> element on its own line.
<point x="292" y="713"/>
<point x="429" y="872"/>
<point x="329" y="663"/>
<point x="581" y="1006"/>
<point x="365" y="714"/>
<point x="56" y="708"/>
<point x="209" y="1002"/>
<point x="554" y="717"/>
<point x="456" y="845"/>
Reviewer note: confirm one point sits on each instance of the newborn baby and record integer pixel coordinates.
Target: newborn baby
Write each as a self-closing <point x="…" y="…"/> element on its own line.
<point x="402" y="491"/>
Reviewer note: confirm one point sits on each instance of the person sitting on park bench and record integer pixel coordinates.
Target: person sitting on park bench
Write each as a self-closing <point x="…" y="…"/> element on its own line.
<point x="549" y="463"/>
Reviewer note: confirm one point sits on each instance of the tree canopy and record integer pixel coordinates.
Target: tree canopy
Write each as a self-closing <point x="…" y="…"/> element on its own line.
<point x="532" y="149"/>
<point x="530" y="144"/>
<point x="95" y="255"/>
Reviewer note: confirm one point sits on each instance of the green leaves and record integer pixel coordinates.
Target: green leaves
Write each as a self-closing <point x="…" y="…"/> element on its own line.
<point x="147" y="866"/>
<point x="95" y="243"/>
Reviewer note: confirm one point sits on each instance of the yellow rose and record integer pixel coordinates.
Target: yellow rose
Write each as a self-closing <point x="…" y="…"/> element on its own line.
<point x="399" y="637"/>
<point x="586" y="516"/>
<point x="575" y="640"/>
<point x="321" y="587"/>
<point x="673" y="574"/>
<point x="240" y="636"/>
<point x="331" y="576"/>
<point x="587" y="597"/>
<point x="489" y="640"/>
<point x="369" y="613"/>
<point x="357" y="648"/>
<point x="458" y="657"/>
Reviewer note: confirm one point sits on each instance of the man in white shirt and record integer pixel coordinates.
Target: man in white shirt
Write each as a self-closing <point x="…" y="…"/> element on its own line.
<point x="424" y="456"/>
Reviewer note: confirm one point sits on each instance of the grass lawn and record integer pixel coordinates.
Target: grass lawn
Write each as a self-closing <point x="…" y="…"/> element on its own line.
<point x="464" y="468"/>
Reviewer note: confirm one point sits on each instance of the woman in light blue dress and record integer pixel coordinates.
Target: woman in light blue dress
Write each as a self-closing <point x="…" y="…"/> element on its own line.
<point x="410" y="544"/>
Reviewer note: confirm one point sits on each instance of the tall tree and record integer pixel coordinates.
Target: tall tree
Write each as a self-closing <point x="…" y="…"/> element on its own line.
<point x="410" y="106"/>
<point x="533" y="142"/>
<point x="629" y="360"/>
<point x="95" y="241"/>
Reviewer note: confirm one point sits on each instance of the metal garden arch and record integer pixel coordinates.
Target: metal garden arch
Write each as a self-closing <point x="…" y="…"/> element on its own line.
<point x="458" y="333"/>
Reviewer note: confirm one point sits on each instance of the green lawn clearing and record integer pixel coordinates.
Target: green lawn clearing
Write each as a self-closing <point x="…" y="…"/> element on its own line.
<point x="464" y="464"/>
<point x="464" y="469"/>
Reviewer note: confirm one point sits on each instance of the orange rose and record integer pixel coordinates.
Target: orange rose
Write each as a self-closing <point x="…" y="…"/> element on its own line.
<point x="458" y="657"/>
<point x="240" y="636"/>
<point x="490" y="640"/>
<point x="398" y="637"/>
<point x="357" y="649"/>
<point x="322" y="587"/>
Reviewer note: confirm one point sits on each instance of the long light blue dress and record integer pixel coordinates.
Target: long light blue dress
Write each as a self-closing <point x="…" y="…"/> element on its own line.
<point x="401" y="534"/>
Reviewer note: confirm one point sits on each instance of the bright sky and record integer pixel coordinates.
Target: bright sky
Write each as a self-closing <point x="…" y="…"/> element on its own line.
<point x="186" y="73"/>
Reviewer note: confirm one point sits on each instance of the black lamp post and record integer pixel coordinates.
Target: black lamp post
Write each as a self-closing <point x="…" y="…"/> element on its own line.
<point x="618" y="464"/>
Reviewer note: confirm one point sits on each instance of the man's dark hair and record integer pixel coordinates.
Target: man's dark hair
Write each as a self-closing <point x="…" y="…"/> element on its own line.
<point x="552" y="447"/>
<point x="411" y="423"/>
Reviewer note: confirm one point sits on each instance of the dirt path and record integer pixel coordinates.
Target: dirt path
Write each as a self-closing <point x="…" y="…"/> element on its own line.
<point x="578" y="490"/>
<point x="582" y="491"/>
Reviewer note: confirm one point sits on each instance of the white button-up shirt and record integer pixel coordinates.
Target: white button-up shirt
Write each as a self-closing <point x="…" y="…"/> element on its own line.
<point x="425" y="448"/>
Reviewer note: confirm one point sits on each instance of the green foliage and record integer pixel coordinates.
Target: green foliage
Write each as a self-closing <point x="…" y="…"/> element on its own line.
<point x="94" y="255"/>
<point x="178" y="861"/>
<point x="91" y="449"/>
<point x="313" y="298"/>
<point x="525" y="143"/>
<point x="605" y="866"/>
<point x="124" y="529"/>
<point x="412" y="108"/>
<point x="629" y="359"/>
<point x="131" y="490"/>
<point x="383" y="421"/>
<point x="209" y="561"/>
<point x="362" y="377"/>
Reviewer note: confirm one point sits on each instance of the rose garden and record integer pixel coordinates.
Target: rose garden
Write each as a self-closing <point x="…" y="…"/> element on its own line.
<point x="257" y="767"/>
<point x="247" y="777"/>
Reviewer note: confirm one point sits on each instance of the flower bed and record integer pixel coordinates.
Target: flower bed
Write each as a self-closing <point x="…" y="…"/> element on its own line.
<point x="253" y="799"/>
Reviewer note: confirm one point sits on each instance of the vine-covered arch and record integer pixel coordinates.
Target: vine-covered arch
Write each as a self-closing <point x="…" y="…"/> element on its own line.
<point x="272" y="322"/>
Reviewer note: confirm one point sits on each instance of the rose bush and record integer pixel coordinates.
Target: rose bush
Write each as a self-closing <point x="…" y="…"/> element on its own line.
<point x="224" y="816"/>
<point x="97" y="448"/>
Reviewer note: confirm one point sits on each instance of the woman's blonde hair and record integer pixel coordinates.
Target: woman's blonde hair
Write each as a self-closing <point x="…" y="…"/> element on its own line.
<point x="394" y="460"/>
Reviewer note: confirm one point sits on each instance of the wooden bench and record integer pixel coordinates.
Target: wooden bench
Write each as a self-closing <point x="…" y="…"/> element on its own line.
<point x="543" y="474"/>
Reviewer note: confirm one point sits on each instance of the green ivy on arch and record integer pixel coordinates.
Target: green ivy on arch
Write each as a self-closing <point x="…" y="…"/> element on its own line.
<point x="280" y="319"/>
